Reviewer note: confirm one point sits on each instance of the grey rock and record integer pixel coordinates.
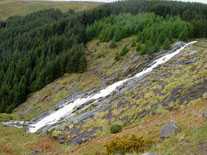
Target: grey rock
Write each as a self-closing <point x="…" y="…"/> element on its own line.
<point x="61" y="139"/>
<point x="168" y="130"/>
<point x="187" y="62"/>
<point x="35" y="152"/>
<point x="205" y="95"/>
<point x="204" y="114"/>
<point x="84" y="136"/>
<point x="178" y="44"/>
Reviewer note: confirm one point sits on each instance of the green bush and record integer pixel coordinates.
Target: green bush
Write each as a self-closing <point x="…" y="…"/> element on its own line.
<point x="115" y="128"/>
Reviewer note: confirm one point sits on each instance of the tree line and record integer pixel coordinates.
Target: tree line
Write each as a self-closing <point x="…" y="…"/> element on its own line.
<point x="153" y="32"/>
<point x="40" y="47"/>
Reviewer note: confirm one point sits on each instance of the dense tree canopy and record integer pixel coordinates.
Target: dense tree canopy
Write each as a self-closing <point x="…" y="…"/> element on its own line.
<point x="40" y="47"/>
<point x="35" y="50"/>
<point x="153" y="32"/>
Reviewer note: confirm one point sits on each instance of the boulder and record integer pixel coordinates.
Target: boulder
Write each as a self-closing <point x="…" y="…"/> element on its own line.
<point x="204" y="114"/>
<point x="35" y="152"/>
<point x="205" y="95"/>
<point x="61" y="139"/>
<point x="168" y="130"/>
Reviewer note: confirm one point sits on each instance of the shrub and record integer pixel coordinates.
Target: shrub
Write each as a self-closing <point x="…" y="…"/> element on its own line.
<point x="115" y="128"/>
<point x="124" y="51"/>
<point x="127" y="144"/>
<point x="55" y="134"/>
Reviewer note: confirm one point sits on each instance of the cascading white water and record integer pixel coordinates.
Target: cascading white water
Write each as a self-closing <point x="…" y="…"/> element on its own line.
<point x="69" y="107"/>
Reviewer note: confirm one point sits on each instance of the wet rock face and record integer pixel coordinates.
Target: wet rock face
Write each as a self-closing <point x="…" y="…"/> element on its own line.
<point x="168" y="130"/>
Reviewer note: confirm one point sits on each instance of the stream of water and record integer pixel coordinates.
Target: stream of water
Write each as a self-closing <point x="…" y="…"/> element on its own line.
<point x="66" y="110"/>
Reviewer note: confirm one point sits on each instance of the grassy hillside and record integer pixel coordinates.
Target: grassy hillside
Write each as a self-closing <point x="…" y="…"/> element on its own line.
<point x="103" y="69"/>
<point x="16" y="142"/>
<point x="100" y="73"/>
<point x="173" y="92"/>
<point x="128" y="120"/>
<point x="20" y="7"/>
<point x="190" y="140"/>
<point x="143" y="111"/>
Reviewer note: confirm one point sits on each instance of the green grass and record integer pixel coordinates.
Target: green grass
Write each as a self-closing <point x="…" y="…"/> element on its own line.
<point x="15" y="141"/>
<point x="101" y="62"/>
<point x="45" y="99"/>
<point x="20" y="7"/>
<point x="154" y="91"/>
<point x="186" y="142"/>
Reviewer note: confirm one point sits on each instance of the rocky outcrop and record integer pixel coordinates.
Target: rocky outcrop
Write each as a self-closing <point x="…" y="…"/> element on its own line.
<point x="168" y="130"/>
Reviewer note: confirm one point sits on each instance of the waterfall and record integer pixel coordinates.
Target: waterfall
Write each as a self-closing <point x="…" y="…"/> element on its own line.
<point x="69" y="107"/>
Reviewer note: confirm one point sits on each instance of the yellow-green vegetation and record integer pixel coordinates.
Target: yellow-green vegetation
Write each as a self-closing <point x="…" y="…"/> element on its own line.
<point x="189" y="140"/>
<point x="21" y="7"/>
<point x="102" y="58"/>
<point x="15" y="141"/>
<point x="7" y="117"/>
<point x="127" y="144"/>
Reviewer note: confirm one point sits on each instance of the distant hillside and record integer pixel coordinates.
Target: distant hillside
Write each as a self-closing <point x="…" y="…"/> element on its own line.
<point x="20" y="7"/>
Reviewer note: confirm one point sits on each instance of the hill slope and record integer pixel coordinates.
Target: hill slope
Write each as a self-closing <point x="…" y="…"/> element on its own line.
<point x="162" y="112"/>
<point x="10" y="8"/>
<point x="173" y="92"/>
